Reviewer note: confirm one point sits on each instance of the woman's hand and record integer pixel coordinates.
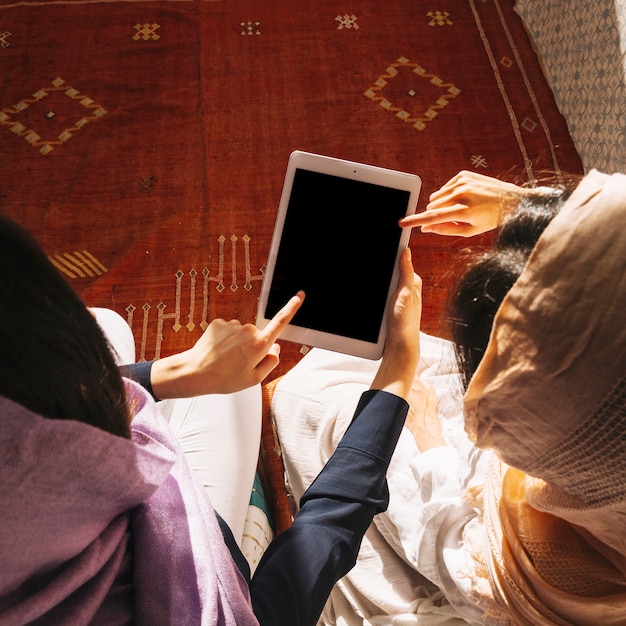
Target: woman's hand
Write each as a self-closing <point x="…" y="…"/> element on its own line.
<point x="468" y="204"/>
<point x="228" y="357"/>
<point x="402" y="348"/>
<point x="423" y="418"/>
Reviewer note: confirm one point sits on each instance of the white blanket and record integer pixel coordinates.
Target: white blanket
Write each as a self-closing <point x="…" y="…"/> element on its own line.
<point x="408" y="553"/>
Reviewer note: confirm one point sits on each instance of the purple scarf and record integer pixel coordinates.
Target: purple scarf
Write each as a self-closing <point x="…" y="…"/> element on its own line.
<point x="99" y="529"/>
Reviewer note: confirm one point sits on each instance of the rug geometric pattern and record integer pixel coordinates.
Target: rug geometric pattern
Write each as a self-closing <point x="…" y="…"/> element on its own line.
<point x="145" y="142"/>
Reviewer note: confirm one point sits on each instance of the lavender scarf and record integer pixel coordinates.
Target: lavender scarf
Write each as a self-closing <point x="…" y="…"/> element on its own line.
<point x="99" y="529"/>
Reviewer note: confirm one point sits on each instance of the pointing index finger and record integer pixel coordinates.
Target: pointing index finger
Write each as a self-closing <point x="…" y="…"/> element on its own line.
<point x="434" y="216"/>
<point x="276" y="325"/>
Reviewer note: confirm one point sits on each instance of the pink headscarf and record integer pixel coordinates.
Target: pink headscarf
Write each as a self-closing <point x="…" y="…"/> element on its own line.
<point x="550" y="397"/>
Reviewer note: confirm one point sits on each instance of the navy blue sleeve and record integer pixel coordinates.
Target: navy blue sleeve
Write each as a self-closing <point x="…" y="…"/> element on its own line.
<point x="139" y="372"/>
<point x="300" y="567"/>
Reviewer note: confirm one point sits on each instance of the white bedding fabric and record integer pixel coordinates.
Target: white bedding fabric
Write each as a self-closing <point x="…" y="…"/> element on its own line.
<point x="408" y="553"/>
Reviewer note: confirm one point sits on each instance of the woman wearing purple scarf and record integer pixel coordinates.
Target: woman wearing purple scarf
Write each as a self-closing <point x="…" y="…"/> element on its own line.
<point x="103" y="521"/>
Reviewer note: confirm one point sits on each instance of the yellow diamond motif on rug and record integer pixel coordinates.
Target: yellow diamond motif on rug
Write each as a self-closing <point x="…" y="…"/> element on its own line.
<point x="398" y="98"/>
<point x="26" y="118"/>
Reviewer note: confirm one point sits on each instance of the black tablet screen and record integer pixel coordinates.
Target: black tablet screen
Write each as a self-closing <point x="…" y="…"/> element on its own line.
<point x="339" y="244"/>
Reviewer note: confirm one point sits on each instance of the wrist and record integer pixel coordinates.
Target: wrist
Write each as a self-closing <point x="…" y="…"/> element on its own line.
<point x="394" y="378"/>
<point x="169" y="379"/>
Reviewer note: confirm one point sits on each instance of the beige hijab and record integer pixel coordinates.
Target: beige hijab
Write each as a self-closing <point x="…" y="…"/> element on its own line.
<point x="550" y="398"/>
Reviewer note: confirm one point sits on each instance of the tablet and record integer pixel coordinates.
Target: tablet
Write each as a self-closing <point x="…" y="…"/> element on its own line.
<point x="337" y="238"/>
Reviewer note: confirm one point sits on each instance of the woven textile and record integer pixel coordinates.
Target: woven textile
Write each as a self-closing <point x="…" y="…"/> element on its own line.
<point x="582" y="46"/>
<point x="145" y="142"/>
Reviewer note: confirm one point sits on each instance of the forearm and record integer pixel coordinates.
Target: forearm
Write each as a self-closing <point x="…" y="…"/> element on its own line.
<point x="395" y="376"/>
<point x="302" y="564"/>
<point x="168" y="377"/>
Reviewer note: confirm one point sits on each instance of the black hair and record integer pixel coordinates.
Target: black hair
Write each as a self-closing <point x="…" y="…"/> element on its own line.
<point x="54" y="358"/>
<point x="489" y="276"/>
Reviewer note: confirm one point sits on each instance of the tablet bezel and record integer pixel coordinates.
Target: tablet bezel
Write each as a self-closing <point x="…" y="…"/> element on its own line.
<point x="353" y="171"/>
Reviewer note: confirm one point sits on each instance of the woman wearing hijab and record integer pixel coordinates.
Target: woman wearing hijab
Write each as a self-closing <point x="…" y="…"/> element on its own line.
<point x="522" y="520"/>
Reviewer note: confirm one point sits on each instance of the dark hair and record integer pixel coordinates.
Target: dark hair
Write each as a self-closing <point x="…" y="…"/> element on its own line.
<point x="54" y="359"/>
<point x="489" y="276"/>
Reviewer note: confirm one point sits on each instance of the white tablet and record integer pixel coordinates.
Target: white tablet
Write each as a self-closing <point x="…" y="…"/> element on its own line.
<point x="337" y="238"/>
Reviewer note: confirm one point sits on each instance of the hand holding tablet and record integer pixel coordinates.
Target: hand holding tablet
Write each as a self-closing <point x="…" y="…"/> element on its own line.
<point x="337" y="239"/>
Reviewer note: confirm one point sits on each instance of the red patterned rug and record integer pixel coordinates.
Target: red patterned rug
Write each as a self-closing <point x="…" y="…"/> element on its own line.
<point x="145" y="142"/>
